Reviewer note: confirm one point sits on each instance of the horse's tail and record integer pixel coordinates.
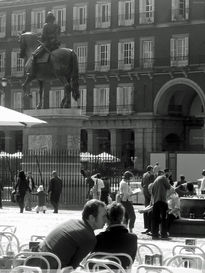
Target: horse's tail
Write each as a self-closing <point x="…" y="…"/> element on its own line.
<point x="75" y="78"/>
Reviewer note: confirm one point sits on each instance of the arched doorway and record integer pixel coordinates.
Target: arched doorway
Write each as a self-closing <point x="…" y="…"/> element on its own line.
<point x="180" y="104"/>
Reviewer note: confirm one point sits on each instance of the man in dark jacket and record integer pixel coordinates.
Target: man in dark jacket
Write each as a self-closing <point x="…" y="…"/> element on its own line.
<point x="116" y="238"/>
<point x="72" y="240"/>
<point x="147" y="179"/>
<point x="54" y="190"/>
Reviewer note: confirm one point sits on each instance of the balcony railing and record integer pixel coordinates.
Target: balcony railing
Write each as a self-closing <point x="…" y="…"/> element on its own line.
<point x="146" y="17"/>
<point x="179" y="61"/>
<point x="124" y="109"/>
<point x="180" y="14"/>
<point x="103" y="22"/>
<point x="126" y="19"/>
<point x="80" y="24"/>
<point x="103" y="65"/>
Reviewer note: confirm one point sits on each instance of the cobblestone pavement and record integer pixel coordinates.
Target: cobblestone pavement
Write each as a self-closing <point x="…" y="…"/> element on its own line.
<point x="30" y="223"/>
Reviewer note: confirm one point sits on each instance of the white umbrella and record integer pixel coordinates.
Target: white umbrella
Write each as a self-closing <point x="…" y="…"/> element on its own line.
<point x="105" y="157"/>
<point x="87" y="157"/>
<point x="9" y="117"/>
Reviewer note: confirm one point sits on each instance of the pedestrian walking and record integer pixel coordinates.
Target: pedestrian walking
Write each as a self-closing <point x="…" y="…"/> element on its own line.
<point x="97" y="187"/>
<point x="21" y="188"/>
<point x="147" y="179"/>
<point x="28" y="196"/>
<point x="126" y="200"/>
<point x="41" y="194"/>
<point x="54" y="190"/>
<point x="105" y="191"/>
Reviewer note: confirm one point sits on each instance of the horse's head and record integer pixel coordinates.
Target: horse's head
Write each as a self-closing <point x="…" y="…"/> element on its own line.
<point x="27" y="43"/>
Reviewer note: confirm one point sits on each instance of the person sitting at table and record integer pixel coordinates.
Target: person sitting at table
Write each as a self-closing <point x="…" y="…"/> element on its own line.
<point x="186" y="189"/>
<point x="116" y="238"/>
<point x="72" y="240"/>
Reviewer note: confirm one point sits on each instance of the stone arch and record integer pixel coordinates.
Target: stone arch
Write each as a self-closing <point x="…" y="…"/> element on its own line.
<point x="176" y="81"/>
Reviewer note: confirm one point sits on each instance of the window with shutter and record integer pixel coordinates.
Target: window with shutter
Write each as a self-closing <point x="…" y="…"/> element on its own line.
<point x="2" y="25"/>
<point x="146" y="11"/>
<point x="17" y="100"/>
<point x="80" y="17"/>
<point x="18" y="19"/>
<point x="179" y="50"/>
<point x="81" y="51"/>
<point x="147" y="52"/>
<point x="103" y="15"/>
<point x="124" y="100"/>
<point x="126" y="54"/>
<point x="60" y="14"/>
<point x="180" y="10"/>
<point x="103" y="56"/>
<point x="17" y="64"/>
<point x="55" y="97"/>
<point x="101" y="100"/>
<point x="37" y="20"/>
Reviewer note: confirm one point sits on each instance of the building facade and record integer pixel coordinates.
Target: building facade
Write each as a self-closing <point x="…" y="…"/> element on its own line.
<point x="141" y="65"/>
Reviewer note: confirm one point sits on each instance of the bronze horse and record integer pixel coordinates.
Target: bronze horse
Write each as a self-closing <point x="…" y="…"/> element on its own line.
<point x="62" y="64"/>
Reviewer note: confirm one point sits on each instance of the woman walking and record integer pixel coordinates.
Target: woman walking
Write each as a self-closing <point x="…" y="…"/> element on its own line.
<point x="126" y="199"/>
<point x="20" y="188"/>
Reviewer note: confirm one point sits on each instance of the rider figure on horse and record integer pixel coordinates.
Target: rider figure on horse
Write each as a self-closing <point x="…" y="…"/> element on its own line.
<point x="49" y="39"/>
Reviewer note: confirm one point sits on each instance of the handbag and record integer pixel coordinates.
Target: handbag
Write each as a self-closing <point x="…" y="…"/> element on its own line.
<point x="13" y="196"/>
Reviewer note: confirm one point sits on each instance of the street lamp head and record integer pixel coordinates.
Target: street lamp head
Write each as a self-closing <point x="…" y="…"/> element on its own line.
<point x="4" y="82"/>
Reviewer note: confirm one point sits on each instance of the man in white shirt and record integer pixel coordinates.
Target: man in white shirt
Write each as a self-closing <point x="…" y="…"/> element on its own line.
<point x="98" y="185"/>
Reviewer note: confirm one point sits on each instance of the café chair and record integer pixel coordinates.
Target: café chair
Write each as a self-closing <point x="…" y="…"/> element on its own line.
<point x="48" y="260"/>
<point x="188" y="261"/>
<point x="153" y="269"/>
<point x="35" y="238"/>
<point x="116" y="257"/>
<point x="9" y="242"/>
<point x="9" y="228"/>
<point x="188" y="249"/>
<point x="26" y="269"/>
<point x="147" y="249"/>
<point x="105" y="265"/>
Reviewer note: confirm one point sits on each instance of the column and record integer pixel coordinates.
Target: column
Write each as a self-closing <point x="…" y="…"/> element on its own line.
<point x="90" y="140"/>
<point x="10" y="142"/>
<point x="139" y="148"/>
<point x="113" y="141"/>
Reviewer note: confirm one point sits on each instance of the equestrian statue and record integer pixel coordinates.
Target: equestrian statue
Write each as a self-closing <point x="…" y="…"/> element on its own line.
<point x="45" y="61"/>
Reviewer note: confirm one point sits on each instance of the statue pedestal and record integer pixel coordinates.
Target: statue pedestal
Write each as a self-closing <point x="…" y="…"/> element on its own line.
<point x="56" y="146"/>
<point x="62" y="131"/>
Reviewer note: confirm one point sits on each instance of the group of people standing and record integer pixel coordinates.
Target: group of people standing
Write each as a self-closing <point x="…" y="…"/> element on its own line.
<point x="25" y="188"/>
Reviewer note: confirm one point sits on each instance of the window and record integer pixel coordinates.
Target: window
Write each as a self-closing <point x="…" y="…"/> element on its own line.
<point x="37" y="20"/>
<point x="17" y="100"/>
<point x="179" y="50"/>
<point x="82" y="100"/>
<point x="18" y="19"/>
<point x="60" y="14"/>
<point x="126" y="54"/>
<point x="82" y="54"/>
<point x="101" y="101"/>
<point x="102" y="56"/>
<point x="35" y="98"/>
<point x="180" y="10"/>
<point x="146" y="11"/>
<point x="126" y="12"/>
<point x="103" y="14"/>
<point x="2" y="25"/>
<point x="55" y="98"/>
<point x="147" y="52"/>
<point x="2" y="63"/>
<point x="80" y="17"/>
<point x="124" y="99"/>
<point x="17" y="64"/>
